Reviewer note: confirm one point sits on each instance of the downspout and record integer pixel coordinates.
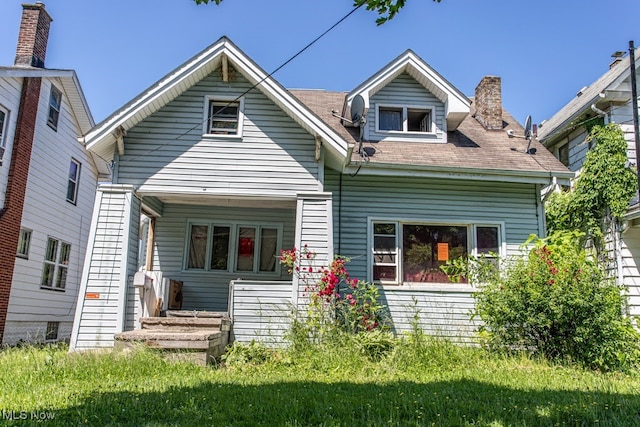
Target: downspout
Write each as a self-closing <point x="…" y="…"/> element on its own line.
<point x="617" y="242"/>
<point x="600" y="113"/>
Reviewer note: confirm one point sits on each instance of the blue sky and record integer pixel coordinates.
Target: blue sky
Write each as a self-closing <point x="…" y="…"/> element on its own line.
<point x="545" y="51"/>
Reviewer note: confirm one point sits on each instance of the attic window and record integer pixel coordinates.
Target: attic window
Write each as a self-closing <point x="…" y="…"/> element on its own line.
<point x="224" y="116"/>
<point x="406" y="119"/>
<point x="55" y="100"/>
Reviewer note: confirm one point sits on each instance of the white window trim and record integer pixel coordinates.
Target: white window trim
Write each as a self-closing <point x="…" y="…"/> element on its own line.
<point x="233" y="246"/>
<point x="25" y="230"/>
<point x="76" y="182"/>
<point x="3" y="131"/>
<point x="52" y="125"/>
<point x="56" y="265"/>
<point x="405" y="131"/>
<point x="471" y="239"/>
<point x="205" y="121"/>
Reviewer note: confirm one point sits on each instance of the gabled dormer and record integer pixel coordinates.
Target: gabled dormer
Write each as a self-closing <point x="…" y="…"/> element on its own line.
<point x="407" y="100"/>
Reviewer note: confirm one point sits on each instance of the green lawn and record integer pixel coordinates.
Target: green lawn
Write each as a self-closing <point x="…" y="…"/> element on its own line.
<point x="435" y="384"/>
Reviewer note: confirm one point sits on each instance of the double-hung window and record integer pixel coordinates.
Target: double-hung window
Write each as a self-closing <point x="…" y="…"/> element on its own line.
<point x="405" y="119"/>
<point x="73" y="181"/>
<point x="413" y="252"/>
<point x="224" y="116"/>
<point x="4" y="116"/>
<point x="563" y="154"/>
<point x="56" y="264"/>
<point x="233" y="247"/>
<point x="55" y="102"/>
<point x="24" y="242"/>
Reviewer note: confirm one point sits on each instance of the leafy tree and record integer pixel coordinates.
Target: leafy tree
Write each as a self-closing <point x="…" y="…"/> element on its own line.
<point x="602" y="191"/>
<point x="387" y="9"/>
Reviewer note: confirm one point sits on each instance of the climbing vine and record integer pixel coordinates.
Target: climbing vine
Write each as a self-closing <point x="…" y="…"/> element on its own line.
<point x="601" y="192"/>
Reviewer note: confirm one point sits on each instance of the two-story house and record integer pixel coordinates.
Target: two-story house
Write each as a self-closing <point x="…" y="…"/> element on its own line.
<point x="607" y="100"/>
<point x="47" y="189"/>
<point x="400" y="175"/>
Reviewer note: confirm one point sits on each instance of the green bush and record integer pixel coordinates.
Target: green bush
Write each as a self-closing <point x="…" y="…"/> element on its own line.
<point x="558" y="302"/>
<point x="255" y="353"/>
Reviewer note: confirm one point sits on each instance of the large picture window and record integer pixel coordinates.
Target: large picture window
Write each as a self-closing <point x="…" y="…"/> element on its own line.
<point x="405" y="252"/>
<point x="250" y="248"/>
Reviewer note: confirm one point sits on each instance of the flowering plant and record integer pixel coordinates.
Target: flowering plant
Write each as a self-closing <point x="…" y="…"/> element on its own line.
<point x="335" y="298"/>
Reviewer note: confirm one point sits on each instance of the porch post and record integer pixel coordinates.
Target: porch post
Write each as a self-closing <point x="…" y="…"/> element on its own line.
<point x="110" y="263"/>
<point x="314" y="228"/>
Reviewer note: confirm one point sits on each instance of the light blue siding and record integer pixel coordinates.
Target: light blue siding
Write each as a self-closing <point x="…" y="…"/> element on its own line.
<point x="167" y="151"/>
<point x="209" y="290"/>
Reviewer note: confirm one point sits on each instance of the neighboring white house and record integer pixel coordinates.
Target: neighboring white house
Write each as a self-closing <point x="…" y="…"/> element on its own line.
<point x="47" y="189"/>
<point x="607" y="100"/>
<point x="231" y="167"/>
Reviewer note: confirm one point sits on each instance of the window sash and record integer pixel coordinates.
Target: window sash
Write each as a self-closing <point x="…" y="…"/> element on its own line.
<point x="393" y="246"/>
<point x="224" y="117"/>
<point x="56" y="264"/>
<point x="405" y="119"/>
<point x="55" y="101"/>
<point x="24" y="243"/>
<point x="3" y="119"/>
<point x="72" y="184"/>
<point x="235" y="247"/>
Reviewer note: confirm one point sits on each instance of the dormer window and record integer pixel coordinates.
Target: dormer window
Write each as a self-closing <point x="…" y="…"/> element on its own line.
<point x="407" y="119"/>
<point x="224" y="116"/>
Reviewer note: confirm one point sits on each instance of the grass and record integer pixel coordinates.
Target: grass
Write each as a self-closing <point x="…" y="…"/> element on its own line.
<point x="426" y="383"/>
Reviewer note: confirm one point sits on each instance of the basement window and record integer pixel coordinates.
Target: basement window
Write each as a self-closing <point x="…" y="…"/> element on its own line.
<point x="55" y="101"/>
<point x="405" y="119"/>
<point x="52" y="331"/>
<point x="224" y="116"/>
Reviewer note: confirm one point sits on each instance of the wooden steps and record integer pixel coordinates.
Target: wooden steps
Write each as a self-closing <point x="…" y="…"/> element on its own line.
<point x="197" y="336"/>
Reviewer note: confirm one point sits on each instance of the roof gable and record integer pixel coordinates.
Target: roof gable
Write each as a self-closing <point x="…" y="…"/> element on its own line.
<point x="606" y="88"/>
<point x="457" y="105"/>
<point x="103" y="137"/>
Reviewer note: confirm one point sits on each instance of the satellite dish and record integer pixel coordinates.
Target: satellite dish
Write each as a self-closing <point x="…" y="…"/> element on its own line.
<point x="527" y="127"/>
<point x="357" y="109"/>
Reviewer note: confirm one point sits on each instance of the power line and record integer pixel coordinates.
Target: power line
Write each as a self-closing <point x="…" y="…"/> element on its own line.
<point x="298" y="53"/>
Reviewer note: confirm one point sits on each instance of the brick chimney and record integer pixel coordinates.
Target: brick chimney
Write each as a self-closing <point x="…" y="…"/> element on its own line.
<point x="33" y="36"/>
<point x="488" y="101"/>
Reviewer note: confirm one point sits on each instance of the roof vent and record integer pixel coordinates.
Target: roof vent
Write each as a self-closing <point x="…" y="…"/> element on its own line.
<point x="581" y="91"/>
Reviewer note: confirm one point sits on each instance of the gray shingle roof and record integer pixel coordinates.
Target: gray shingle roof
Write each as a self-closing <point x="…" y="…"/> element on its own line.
<point x="470" y="146"/>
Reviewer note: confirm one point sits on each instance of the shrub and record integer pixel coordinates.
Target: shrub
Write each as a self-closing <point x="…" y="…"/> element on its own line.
<point x="558" y="302"/>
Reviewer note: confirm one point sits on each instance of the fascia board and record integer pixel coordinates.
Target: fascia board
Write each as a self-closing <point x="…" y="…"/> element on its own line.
<point x="103" y="132"/>
<point x="479" y="174"/>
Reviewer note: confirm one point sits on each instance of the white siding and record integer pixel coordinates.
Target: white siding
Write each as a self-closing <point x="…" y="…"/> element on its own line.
<point x="108" y="271"/>
<point x="260" y="311"/>
<point x="167" y="151"/>
<point x="48" y="214"/>
<point x="10" y="89"/>
<point x="209" y="290"/>
<point x="405" y="90"/>
<point x="630" y="264"/>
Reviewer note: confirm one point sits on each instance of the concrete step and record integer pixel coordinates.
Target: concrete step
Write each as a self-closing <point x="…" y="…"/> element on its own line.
<point x="186" y="323"/>
<point x="201" y="346"/>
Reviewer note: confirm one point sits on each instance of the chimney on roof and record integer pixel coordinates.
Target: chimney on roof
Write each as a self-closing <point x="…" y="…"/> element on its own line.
<point x="488" y="100"/>
<point x="33" y="36"/>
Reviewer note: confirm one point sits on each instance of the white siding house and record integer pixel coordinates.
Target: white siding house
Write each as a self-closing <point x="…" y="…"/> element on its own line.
<point x="47" y="200"/>
<point x="230" y="168"/>
<point x="607" y="100"/>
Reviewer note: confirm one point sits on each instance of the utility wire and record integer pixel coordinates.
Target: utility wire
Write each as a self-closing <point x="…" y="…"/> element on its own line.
<point x="209" y="117"/>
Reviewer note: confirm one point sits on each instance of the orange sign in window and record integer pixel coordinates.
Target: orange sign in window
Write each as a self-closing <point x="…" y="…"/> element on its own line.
<point x="443" y="252"/>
